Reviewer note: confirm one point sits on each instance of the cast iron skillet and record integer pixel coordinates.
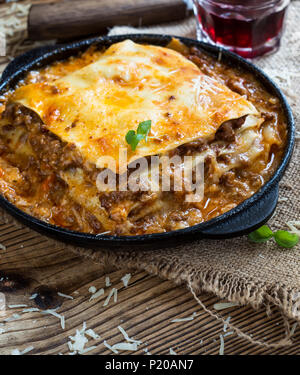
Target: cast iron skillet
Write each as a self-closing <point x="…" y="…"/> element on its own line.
<point x="242" y="219"/>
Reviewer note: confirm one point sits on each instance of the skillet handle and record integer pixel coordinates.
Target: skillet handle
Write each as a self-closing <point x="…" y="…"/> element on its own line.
<point x="248" y="220"/>
<point x="24" y="61"/>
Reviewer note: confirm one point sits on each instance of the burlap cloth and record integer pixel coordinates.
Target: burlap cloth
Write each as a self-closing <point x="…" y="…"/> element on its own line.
<point x="236" y="270"/>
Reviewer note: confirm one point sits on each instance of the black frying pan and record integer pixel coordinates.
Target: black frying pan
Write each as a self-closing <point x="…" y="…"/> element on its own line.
<point x="242" y="219"/>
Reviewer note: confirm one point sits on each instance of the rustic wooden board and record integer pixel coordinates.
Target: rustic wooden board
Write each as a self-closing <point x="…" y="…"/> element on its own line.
<point x="62" y="21"/>
<point x="144" y="309"/>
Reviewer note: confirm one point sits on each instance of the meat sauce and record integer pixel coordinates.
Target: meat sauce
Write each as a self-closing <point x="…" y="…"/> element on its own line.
<point x="30" y="178"/>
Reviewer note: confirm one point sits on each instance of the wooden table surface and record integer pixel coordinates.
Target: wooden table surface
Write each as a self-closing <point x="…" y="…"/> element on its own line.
<point x="145" y="308"/>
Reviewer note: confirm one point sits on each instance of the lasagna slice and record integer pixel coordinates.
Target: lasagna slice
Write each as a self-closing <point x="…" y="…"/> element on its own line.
<point x="94" y="107"/>
<point x="55" y="132"/>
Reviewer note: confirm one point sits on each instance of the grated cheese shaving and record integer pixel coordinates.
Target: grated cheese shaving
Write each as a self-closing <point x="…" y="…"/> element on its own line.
<point x="62" y="322"/>
<point x="64" y="295"/>
<point x="92" y="289"/>
<point x="125" y="279"/>
<point x="13" y="317"/>
<point x="100" y="234"/>
<point x="225" y="325"/>
<point x="15" y="352"/>
<point x="282" y="199"/>
<point x="294" y="327"/>
<point x="2" y="330"/>
<point x="115" y="295"/>
<point x="110" y="347"/>
<point x="92" y="334"/>
<point x="221" y="351"/>
<point x="33" y="296"/>
<point x="126" y="337"/>
<point x="97" y="294"/>
<point x="172" y="352"/>
<point x="2" y="247"/>
<point x="83" y="327"/>
<point x="184" y="319"/>
<point x="77" y="343"/>
<point x="293" y="227"/>
<point x="16" y="306"/>
<point x="26" y="350"/>
<point x="125" y="346"/>
<point x="30" y="309"/>
<point x="147" y="351"/>
<point x="106" y="302"/>
<point x="225" y="305"/>
<point x="59" y="316"/>
<point x="228" y="333"/>
<point x="107" y="281"/>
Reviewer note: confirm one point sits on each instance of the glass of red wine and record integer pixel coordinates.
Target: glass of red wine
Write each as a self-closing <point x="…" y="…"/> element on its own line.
<point x="249" y="28"/>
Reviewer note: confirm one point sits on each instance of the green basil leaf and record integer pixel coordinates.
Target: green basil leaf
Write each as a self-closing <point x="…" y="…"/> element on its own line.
<point x="286" y="239"/>
<point x="144" y="128"/>
<point x="130" y="136"/>
<point x="134" y="143"/>
<point x="261" y="234"/>
<point x="137" y="140"/>
<point x="133" y="138"/>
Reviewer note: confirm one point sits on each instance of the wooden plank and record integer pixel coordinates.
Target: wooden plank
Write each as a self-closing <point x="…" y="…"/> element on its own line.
<point x="144" y="309"/>
<point x="62" y="21"/>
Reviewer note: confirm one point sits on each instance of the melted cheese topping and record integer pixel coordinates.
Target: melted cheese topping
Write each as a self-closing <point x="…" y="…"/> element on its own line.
<point x="94" y="107"/>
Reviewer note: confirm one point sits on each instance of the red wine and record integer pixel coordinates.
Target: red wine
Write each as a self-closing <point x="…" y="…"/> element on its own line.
<point x="250" y="29"/>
